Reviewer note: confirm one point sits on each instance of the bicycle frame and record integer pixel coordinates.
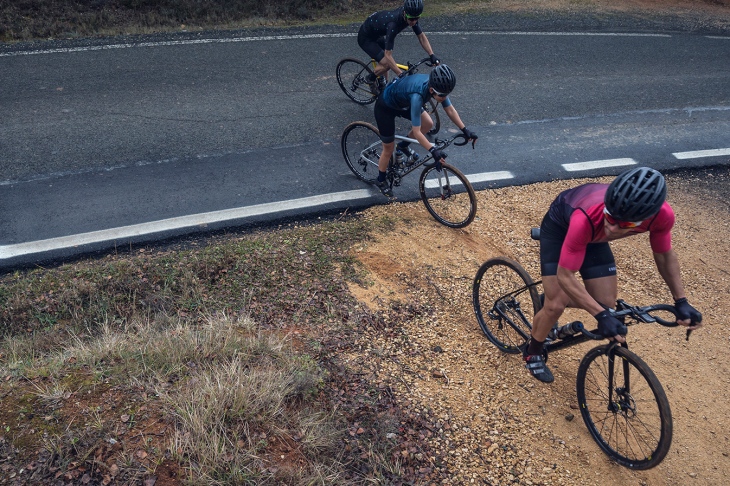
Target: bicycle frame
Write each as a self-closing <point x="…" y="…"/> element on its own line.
<point x="623" y="309"/>
<point x="407" y="69"/>
<point x="395" y="174"/>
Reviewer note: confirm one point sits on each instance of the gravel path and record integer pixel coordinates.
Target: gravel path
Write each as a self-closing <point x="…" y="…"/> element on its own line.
<point x="491" y="423"/>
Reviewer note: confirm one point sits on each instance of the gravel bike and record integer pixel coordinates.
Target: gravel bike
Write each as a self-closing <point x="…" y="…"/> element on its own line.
<point x="353" y="75"/>
<point x="445" y="191"/>
<point x="621" y="401"/>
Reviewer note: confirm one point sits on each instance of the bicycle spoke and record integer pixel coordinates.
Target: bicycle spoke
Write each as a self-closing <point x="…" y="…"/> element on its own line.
<point x="352" y="77"/>
<point x="448" y="196"/>
<point x="629" y="415"/>
<point x="504" y="302"/>
<point x="361" y="147"/>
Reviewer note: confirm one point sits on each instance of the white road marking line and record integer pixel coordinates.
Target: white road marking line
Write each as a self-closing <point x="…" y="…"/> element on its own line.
<point x="598" y="164"/>
<point x="296" y="37"/>
<point x="490" y="176"/>
<point x="202" y="219"/>
<point x="702" y="153"/>
<point x="481" y="177"/>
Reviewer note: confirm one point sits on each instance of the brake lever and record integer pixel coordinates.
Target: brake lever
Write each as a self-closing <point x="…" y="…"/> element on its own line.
<point x="689" y="331"/>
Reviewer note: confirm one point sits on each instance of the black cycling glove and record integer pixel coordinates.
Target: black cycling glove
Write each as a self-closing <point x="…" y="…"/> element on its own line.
<point x="437" y="156"/>
<point x="609" y="326"/>
<point x="435" y="60"/>
<point x="469" y="134"/>
<point x="686" y="311"/>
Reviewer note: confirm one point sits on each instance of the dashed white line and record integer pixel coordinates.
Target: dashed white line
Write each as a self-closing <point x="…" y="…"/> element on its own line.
<point x="473" y="178"/>
<point x="598" y="164"/>
<point x="490" y="176"/>
<point x="190" y="221"/>
<point x="702" y="153"/>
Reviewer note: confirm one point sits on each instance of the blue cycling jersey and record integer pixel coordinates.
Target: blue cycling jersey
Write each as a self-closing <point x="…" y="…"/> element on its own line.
<point x="410" y="92"/>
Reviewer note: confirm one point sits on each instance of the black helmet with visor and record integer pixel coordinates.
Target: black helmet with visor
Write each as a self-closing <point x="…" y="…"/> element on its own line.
<point x="442" y="79"/>
<point x="636" y="194"/>
<point x="413" y="8"/>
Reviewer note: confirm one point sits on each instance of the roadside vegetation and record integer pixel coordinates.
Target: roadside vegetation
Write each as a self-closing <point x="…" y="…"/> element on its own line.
<point x="206" y="365"/>
<point x="41" y="19"/>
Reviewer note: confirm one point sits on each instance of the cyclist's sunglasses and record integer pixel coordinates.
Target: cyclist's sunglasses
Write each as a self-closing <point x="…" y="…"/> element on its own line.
<point x="442" y="95"/>
<point x="412" y="18"/>
<point x="621" y="224"/>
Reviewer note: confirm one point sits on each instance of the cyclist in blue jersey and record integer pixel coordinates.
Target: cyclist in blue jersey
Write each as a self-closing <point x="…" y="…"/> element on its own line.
<point x="377" y="36"/>
<point x="404" y="98"/>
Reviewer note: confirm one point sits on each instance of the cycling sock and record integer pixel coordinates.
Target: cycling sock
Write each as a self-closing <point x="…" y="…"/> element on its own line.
<point x="535" y="347"/>
<point x="381" y="176"/>
<point x="403" y="145"/>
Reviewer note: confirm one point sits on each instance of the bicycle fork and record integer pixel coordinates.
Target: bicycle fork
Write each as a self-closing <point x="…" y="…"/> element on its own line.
<point x="444" y="188"/>
<point x="623" y="402"/>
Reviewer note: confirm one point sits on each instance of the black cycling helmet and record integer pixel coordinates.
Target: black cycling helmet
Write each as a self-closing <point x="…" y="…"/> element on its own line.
<point x="636" y="194"/>
<point x="442" y="79"/>
<point x="413" y="8"/>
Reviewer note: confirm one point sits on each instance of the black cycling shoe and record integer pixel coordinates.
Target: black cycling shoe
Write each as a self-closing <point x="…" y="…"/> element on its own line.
<point x="384" y="188"/>
<point x="535" y="364"/>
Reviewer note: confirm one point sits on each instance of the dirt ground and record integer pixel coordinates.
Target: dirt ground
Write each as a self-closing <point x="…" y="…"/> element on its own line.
<point x="503" y="426"/>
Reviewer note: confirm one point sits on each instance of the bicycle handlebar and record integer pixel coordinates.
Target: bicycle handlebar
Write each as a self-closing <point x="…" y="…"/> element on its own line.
<point x="412" y="67"/>
<point x="459" y="140"/>
<point x="638" y="314"/>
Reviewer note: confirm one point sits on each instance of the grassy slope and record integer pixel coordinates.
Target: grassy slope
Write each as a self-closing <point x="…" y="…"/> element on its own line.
<point x="106" y="366"/>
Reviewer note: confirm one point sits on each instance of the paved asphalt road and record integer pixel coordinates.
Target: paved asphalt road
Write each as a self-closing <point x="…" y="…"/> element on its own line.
<point x="103" y="143"/>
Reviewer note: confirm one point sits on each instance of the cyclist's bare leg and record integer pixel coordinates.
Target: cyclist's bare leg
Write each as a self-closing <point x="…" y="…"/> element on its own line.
<point x="426" y="123"/>
<point x="604" y="290"/>
<point x="556" y="300"/>
<point x="385" y="156"/>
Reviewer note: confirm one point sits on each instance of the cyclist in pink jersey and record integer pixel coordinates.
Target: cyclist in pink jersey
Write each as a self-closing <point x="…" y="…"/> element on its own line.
<point x="574" y="237"/>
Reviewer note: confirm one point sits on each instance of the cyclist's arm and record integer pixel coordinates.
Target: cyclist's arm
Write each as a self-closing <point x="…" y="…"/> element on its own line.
<point x="391" y="31"/>
<point x="425" y="44"/>
<point x="577" y="292"/>
<point x="416" y="104"/>
<point x="668" y="265"/>
<point x="452" y="114"/>
<point x="389" y="61"/>
<point x="572" y="255"/>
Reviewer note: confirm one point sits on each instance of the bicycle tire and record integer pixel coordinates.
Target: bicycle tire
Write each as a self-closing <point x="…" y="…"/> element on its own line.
<point x="352" y="77"/>
<point x="432" y="110"/>
<point x="505" y="300"/>
<point x="624" y="407"/>
<point x="448" y="196"/>
<point x="361" y="147"/>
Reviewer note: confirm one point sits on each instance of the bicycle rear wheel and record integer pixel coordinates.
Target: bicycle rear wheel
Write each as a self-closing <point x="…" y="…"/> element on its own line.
<point x="352" y="76"/>
<point x="505" y="300"/>
<point x="361" y="147"/>
<point x="448" y="196"/>
<point x="431" y="109"/>
<point x="624" y="407"/>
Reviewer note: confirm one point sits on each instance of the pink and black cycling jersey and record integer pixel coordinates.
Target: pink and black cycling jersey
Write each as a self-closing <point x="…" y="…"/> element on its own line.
<point x="579" y="213"/>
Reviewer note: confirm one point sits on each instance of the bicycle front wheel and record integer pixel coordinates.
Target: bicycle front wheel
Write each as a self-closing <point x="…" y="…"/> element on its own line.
<point x="361" y="147"/>
<point x="624" y="407"/>
<point x="448" y="196"/>
<point x="505" y="300"/>
<point x="431" y="109"/>
<point x="352" y="76"/>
